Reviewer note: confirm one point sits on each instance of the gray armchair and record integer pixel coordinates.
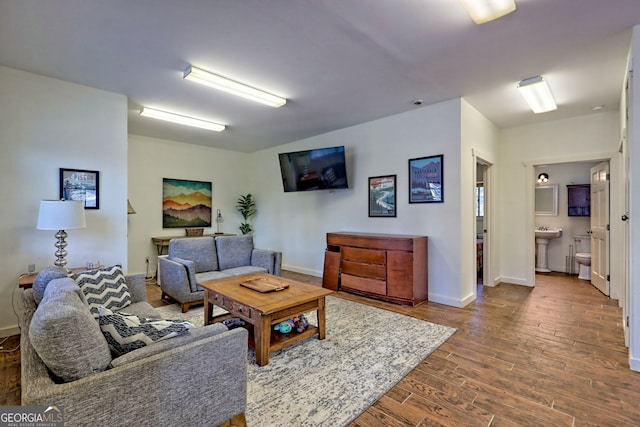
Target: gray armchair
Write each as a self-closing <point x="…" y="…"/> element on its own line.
<point x="194" y="260"/>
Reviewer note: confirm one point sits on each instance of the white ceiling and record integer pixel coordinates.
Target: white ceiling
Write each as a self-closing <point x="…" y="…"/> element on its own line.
<point x="338" y="62"/>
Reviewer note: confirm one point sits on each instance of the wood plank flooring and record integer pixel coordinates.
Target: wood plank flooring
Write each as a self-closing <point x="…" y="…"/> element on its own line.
<point x="549" y="355"/>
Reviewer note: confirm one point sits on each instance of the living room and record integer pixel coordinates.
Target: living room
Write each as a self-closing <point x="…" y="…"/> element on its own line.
<point x="50" y="124"/>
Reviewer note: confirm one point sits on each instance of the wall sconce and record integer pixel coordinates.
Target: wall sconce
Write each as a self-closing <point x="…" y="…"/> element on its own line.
<point x="219" y="220"/>
<point x="542" y="178"/>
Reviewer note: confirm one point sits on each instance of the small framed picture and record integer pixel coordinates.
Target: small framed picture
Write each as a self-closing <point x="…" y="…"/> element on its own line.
<point x="426" y="184"/>
<point x="81" y="185"/>
<point x="382" y="196"/>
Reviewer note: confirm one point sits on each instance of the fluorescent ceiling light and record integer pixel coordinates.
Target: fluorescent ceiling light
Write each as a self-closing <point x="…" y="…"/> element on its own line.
<point x="180" y="119"/>
<point x="230" y="86"/>
<point x="537" y="94"/>
<point x="482" y="11"/>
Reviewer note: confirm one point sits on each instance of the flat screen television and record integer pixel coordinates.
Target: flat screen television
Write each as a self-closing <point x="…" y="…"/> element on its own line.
<point x="317" y="169"/>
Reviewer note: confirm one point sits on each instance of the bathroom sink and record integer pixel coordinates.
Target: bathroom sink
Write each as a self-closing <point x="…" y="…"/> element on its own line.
<point x="548" y="233"/>
<point x="543" y="235"/>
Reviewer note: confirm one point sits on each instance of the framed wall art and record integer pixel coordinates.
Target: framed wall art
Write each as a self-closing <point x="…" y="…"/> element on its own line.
<point x="382" y="196"/>
<point x="80" y="185"/>
<point x="426" y="184"/>
<point x="185" y="203"/>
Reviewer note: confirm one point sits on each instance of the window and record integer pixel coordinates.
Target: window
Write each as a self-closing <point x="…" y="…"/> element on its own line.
<point x="479" y="199"/>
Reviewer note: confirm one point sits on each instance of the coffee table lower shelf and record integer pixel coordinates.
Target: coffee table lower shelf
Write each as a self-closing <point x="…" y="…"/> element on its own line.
<point x="278" y="340"/>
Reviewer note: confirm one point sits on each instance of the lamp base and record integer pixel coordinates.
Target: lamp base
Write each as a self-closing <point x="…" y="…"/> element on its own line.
<point x="61" y="253"/>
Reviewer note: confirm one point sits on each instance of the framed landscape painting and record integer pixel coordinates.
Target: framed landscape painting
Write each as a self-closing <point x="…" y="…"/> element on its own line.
<point x="185" y="203"/>
<point x="80" y="185"/>
<point x="426" y="183"/>
<point x="382" y="196"/>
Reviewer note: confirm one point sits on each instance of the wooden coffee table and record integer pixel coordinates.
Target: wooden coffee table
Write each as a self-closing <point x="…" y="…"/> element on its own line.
<point x="263" y="310"/>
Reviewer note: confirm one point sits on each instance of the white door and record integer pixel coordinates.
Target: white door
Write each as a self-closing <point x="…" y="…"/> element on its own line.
<point x="600" y="227"/>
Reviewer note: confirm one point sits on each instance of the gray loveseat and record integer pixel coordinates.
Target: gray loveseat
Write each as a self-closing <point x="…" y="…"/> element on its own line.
<point x="196" y="379"/>
<point x="193" y="260"/>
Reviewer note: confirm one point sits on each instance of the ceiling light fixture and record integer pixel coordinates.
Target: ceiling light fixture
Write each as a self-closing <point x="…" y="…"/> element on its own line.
<point x="182" y="120"/>
<point x="537" y="94"/>
<point x="230" y="86"/>
<point x="482" y="11"/>
<point x="543" y="178"/>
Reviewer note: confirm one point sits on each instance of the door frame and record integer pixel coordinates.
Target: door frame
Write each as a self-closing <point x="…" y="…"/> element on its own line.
<point x="615" y="194"/>
<point x="488" y="221"/>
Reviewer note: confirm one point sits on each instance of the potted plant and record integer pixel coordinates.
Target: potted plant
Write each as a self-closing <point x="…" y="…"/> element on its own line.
<point x="246" y="205"/>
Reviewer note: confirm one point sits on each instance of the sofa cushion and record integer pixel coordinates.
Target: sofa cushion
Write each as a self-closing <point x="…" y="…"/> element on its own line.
<point x="104" y="288"/>
<point x="234" y="251"/>
<point x="65" y="335"/>
<point x="126" y="332"/>
<point x="161" y="346"/>
<point x="43" y="278"/>
<point x="211" y="275"/>
<point x="200" y="250"/>
<point x="142" y="309"/>
<point x="247" y="269"/>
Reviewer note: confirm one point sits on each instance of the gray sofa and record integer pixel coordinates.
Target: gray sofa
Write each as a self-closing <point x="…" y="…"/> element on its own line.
<point x="193" y="260"/>
<point x="195" y="379"/>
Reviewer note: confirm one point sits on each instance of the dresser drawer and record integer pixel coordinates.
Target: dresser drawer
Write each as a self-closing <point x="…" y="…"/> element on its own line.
<point x="369" y="256"/>
<point x="371" y="271"/>
<point x="363" y="284"/>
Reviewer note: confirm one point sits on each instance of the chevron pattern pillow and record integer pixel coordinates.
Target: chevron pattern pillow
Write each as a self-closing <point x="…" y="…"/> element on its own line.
<point x="126" y="332"/>
<point x="104" y="288"/>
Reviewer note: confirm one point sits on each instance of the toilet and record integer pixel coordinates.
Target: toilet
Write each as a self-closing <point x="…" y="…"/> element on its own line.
<point x="583" y="256"/>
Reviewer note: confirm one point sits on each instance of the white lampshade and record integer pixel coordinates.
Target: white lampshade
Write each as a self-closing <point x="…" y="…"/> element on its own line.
<point x="61" y="215"/>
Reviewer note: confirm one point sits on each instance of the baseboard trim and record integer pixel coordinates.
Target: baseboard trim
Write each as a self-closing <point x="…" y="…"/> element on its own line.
<point x="634" y="364"/>
<point x="513" y="281"/>
<point x="301" y="270"/>
<point x="10" y="331"/>
<point x="441" y="299"/>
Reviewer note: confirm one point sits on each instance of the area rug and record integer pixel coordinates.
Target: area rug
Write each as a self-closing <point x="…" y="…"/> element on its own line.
<point x="330" y="382"/>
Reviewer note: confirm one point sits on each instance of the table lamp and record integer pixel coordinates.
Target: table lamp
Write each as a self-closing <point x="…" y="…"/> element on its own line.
<point x="219" y="220"/>
<point x="61" y="215"/>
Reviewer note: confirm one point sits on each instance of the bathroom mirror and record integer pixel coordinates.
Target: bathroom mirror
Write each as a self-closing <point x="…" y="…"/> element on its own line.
<point x="547" y="199"/>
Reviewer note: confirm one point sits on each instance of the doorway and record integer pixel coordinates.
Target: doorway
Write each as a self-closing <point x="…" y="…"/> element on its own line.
<point x="577" y="224"/>
<point x="480" y="221"/>
<point x="483" y="209"/>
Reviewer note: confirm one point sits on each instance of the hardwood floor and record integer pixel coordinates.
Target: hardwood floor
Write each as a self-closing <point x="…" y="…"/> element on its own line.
<point x="549" y="355"/>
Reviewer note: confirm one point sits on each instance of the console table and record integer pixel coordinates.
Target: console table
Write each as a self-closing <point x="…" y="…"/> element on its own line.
<point x="391" y="267"/>
<point x="26" y="280"/>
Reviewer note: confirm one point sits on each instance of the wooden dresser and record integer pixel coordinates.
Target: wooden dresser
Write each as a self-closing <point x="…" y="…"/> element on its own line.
<point x="391" y="267"/>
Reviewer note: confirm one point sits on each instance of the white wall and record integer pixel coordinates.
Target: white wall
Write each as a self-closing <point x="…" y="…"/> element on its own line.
<point x="634" y="204"/>
<point x="585" y="138"/>
<point x="563" y="174"/>
<point x="479" y="141"/>
<point x="297" y="223"/>
<point x="49" y="124"/>
<point x="150" y="160"/>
